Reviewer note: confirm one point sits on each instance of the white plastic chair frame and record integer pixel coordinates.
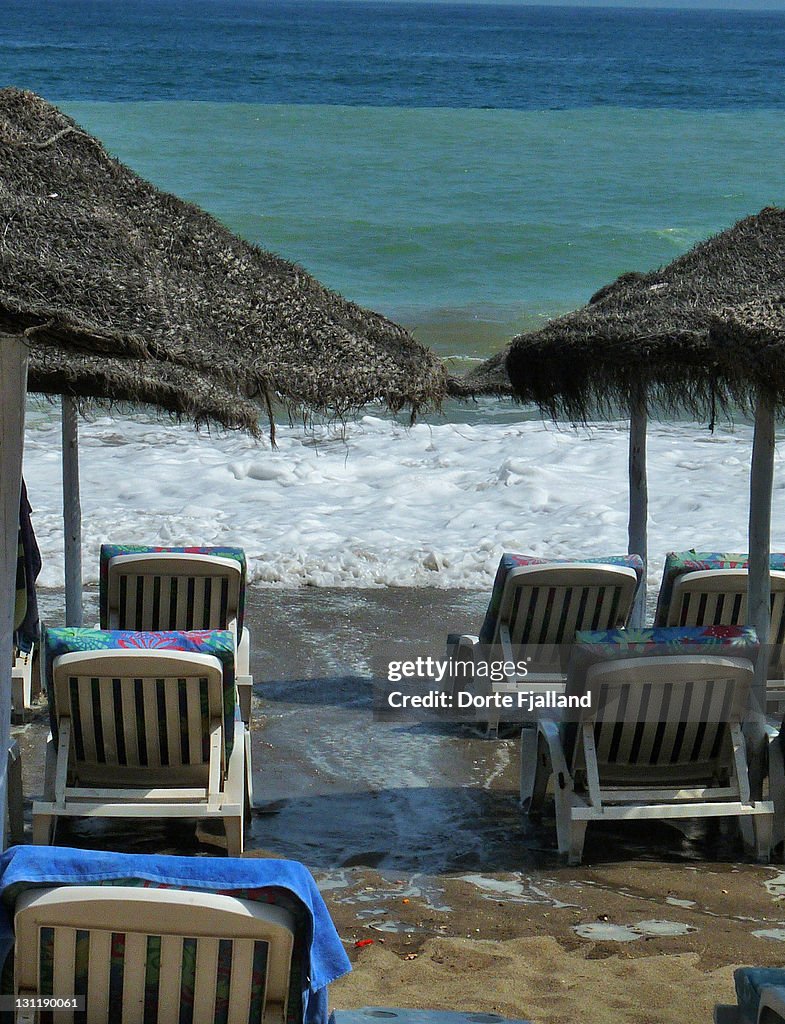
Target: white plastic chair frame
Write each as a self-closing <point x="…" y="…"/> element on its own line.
<point x="166" y="590"/>
<point x="662" y="740"/>
<point x="718" y="597"/>
<point x="138" y="913"/>
<point x="131" y="741"/>
<point x="24" y="685"/>
<point x="542" y="608"/>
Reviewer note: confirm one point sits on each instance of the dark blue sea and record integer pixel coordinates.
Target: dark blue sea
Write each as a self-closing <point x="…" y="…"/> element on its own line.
<point x="394" y="54"/>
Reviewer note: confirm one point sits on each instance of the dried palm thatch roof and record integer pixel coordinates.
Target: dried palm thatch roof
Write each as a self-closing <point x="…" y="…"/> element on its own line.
<point x="653" y="331"/>
<point x="489" y="378"/>
<point x="751" y="342"/>
<point x="95" y="259"/>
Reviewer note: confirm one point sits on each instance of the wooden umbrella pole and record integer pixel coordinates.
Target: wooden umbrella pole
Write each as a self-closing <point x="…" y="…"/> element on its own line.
<point x="72" y="514"/>
<point x="637" y="532"/>
<point x="13" y="391"/>
<point x="759" y="595"/>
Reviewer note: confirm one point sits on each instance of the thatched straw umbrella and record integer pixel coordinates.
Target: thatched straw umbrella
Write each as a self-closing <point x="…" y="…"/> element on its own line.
<point x="489" y="379"/>
<point x="115" y="292"/>
<point x="645" y="342"/>
<point x="197" y="321"/>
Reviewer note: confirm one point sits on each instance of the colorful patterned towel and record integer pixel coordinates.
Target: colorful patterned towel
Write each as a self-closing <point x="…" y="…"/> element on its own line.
<point x="217" y="642"/>
<point x="590" y="648"/>
<point x="610" y="644"/>
<point x="679" y="562"/>
<point x="510" y="561"/>
<point x="109" y="551"/>
<point x="322" y="954"/>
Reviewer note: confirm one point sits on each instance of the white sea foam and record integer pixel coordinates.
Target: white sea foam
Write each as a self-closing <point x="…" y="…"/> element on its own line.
<point x="383" y="504"/>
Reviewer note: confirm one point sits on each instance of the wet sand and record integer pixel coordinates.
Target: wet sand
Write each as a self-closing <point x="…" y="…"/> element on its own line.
<point x="414" y="834"/>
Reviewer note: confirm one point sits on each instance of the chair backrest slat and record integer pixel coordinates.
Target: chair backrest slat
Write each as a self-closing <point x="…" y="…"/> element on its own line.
<point x="545" y="605"/>
<point x="533" y="627"/>
<point x="204" y="982"/>
<point x="129" y="714"/>
<point x="164" y="951"/>
<point x="82" y="711"/>
<point x="164" y="592"/>
<point x="241" y="982"/>
<point x="152" y="740"/>
<point x="718" y="597"/>
<point x="174" y="692"/>
<point x="134" y="708"/>
<point x="64" y="961"/>
<point x="109" y="696"/>
<point x="664" y="712"/>
<point x="98" y="982"/>
<point x="170" y="977"/>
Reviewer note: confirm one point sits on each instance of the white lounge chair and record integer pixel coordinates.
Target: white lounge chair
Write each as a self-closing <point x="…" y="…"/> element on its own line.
<point x="173" y="590"/>
<point x="142" y="733"/>
<point x="662" y="739"/>
<point x="718" y="597"/>
<point x="209" y="932"/>
<point x="165" y="939"/>
<point x="542" y="607"/>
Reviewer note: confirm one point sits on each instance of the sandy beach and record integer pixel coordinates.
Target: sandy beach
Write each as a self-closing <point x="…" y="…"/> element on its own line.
<point x="414" y="835"/>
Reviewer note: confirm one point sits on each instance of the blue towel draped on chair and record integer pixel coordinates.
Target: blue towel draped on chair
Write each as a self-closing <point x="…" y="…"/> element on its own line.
<point x="23" y="867"/>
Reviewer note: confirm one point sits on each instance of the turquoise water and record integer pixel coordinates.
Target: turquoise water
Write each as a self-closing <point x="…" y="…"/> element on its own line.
<point x="467" y="225"/>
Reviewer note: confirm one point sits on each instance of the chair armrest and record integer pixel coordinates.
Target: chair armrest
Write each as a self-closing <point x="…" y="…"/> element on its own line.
<point x="243" y="658"/>
<point x="462" y="645"/>
<point x="244" y="693"/>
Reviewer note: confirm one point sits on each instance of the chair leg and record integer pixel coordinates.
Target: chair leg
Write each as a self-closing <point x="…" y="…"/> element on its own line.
<point x="762" y="825"/>
<point x="43" y="829"/>
<point x="570" y="834"/>
<point x="777" y="789"/>
<point x="492" y="730"/>
<point x="17" y="699"/>
<point x="248" y="777"/>
<point x="577" y="838"/>
<point x="16" y="821"/>
<point x="234" y="836"/>
<point x="35" y="674"/>
<point x="535" y="771"/>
